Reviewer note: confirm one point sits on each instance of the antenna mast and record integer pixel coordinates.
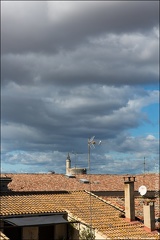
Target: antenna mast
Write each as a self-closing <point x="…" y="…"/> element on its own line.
<point x="144" y="163"/>
<point x="142" y="189"/>
<point x="91" y="144"/>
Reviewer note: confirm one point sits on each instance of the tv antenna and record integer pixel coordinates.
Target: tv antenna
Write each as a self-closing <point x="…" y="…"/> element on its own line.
<point x="91" y="144"/>
<point x="142" y="189"/>
<point x="75" y="154"/>
<point x="144" y="165"/>
<point x="144" y="169"/>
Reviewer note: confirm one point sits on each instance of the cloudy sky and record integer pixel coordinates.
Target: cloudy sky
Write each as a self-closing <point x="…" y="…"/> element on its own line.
<point x="73" y="70"/>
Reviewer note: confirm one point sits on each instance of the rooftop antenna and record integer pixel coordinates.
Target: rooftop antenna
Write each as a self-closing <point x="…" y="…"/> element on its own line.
<point x="142" y="189"/>
<point x="91" y="144"/>
<point x="75" y="157"/>
<point x="144" y="170"/>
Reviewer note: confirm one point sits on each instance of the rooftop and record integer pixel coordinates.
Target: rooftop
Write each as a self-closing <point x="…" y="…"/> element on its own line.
<point x="120" y="203"/>
<point x="57" y="182"/>
<point x="80" y="204"/>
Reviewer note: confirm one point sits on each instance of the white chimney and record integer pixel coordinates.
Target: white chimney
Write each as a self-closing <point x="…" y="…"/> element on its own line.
<point x="149" y="215"/>
<point x="129" y="198"/>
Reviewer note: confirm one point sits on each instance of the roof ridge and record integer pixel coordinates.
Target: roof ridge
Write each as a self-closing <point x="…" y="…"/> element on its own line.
<point x="103" y="200"/>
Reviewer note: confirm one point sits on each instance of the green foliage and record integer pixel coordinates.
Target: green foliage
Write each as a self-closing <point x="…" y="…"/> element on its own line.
<point x="86" y="234"/>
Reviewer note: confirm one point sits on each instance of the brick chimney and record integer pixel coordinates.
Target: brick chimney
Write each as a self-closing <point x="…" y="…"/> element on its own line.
<point x="149" y="215"/>
<point x="129" y="198"/>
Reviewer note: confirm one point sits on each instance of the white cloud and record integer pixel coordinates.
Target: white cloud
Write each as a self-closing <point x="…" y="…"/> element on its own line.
<point x="139" y="102"/>
<point x="150" y="138"/>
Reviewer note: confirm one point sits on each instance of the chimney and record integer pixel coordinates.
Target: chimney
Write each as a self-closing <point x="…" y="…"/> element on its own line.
<point x="4" y="181"/>
<point x="149" y="215"/>
<point x="129" y="198"/>
<point x="68" y="164"/>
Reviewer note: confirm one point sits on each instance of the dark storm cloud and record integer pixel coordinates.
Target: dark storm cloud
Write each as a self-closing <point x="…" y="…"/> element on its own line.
<point x="54" y="119"/>
<point x="109" y="59"/>
<point x="54" y="43"/>
<point x="51" y="26"/>
<point x="71" y="70"/>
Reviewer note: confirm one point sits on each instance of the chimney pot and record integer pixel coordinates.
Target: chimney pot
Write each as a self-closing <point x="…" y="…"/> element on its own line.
<point x="149" y="215"/>
<point x="128" y="179"/>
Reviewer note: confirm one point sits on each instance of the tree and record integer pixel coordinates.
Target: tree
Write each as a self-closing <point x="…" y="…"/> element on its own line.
<point x="86" y="234"/>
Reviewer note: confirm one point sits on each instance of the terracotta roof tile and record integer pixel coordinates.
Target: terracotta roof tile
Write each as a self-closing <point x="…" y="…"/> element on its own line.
<point x="104" y="216"/>
<point x="57" y="182"/>
<point x="84" y="207"/>
<point x="119" y="203"/>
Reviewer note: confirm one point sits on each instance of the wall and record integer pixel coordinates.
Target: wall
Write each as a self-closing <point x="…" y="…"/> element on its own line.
<point x="60" y="231"/>
<point x="77" y="171"/>
<point x="4" y="181"/>
<point x="99" y="236"/>
<point x="82" y="231"/>
<point x="30" y="233"/>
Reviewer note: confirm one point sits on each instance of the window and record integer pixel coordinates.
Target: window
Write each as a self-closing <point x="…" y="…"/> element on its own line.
<point x="46" y="232"/>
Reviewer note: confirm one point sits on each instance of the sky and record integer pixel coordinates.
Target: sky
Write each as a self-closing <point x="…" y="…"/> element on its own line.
<point x="71" y="70"/>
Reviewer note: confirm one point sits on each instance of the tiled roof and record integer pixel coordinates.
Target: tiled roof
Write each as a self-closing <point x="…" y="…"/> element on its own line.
<point x="84" y="207"/>
<point x="3" y="236"/>
<point x="120" y="203"/>
<point x="57" y="182"/>
<point x="34" y="203"/>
